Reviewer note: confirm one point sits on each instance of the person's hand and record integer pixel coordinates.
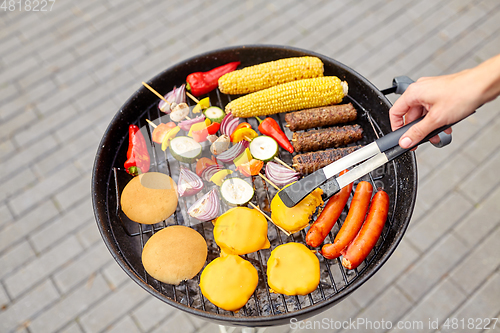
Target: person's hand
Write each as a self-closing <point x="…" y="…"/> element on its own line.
<point x="444" y="100"/>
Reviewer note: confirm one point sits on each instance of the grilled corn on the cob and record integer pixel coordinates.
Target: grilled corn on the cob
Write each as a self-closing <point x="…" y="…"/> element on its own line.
<point x="268" y="74"/>
<point x="290" y="96"/>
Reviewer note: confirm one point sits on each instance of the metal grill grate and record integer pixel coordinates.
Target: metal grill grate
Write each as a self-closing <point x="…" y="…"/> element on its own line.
<point x="334" y="277"/>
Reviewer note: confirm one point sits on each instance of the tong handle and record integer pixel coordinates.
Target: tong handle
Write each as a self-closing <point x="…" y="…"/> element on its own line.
<point x="399" y="86"/>
<point x="397" y="150"/>
<point x="392" y="139"/>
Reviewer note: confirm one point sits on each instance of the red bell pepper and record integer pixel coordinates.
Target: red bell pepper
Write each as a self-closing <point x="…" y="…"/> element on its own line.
<point x="201" y="83"/>
<point x="213" y="128"/>
<point x="243" y="134"/>
<point x="270" y="127"/>
<point x="138" y="160"/>
<point x="240" y="126"/>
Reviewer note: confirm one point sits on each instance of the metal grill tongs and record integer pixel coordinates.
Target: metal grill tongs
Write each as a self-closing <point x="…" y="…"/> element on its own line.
<point x="374" y="155"/>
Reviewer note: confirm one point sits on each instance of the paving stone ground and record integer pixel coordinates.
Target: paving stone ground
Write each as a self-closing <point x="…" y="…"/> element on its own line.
<point x="65" y="71"/>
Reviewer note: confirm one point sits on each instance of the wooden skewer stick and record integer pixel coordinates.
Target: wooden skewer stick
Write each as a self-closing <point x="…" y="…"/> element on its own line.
<point x="283" y="163"/>
<point x="270" y="219"/>
<point x="155" y="92"/>
<point x="270" y="182"/>
<point x="151" y="123"/>
<point x="192" y="97"/>
<point x="159" y="95"/>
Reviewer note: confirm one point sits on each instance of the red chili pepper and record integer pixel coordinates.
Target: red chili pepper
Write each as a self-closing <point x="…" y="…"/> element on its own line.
<point x="270" y="127"/>
<point x="201" y="83"/>
<point x="213" y="128"/>
<point x="137" y="155"/>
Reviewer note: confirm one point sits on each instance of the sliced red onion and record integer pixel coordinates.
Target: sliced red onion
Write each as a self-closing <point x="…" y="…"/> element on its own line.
<point x="280" y="175"/>
<point x="186" y="124"/>
<point x="229" y="155"/>
<point x="189" y="183"/>
<point x="177" y="96"/>
<point x="229" y="124"/>
<point x="210" y="170"/>
<point x="207" y="207"/>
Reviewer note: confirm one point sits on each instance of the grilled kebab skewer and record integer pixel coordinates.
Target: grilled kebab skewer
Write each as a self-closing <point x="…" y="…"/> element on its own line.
<point x="320" y="117"/>
<point x="310" y="162"/>
<point x="331" y="137"/>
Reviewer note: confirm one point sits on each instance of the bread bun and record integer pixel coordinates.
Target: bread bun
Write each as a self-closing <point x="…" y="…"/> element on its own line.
<point x="174" y="254"/>
<point x="149" y="198"/>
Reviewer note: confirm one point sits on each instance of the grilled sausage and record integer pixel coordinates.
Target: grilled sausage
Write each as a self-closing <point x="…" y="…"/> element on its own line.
<point x="352" y="223"/>
<point x="330" y="214"/>
<point x="331" y="137"/>
<point x="367" y="237"/>
<point x="320" y="117"/>
<point x="310" y="162"/>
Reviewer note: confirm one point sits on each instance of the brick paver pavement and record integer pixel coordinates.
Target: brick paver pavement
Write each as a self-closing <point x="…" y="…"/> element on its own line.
<point x="66" y="71"/>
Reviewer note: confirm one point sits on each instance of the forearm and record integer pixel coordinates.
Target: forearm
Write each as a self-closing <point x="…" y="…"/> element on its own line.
<point x="486" y="78"/>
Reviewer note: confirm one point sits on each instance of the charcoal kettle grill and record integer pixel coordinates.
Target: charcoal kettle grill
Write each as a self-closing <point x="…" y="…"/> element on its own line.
<point x="125" y="239"/>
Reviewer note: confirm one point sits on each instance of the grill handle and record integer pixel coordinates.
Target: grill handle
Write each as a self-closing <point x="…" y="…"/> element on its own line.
<point x="399" y="86"/>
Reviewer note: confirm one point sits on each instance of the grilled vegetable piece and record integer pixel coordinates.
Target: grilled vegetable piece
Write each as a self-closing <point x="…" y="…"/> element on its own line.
<point x="331" y="137"/>
<point x="270" y="127"/>
<point x="296" y="218"/>
<point x="161" y="130"/>
<point x="268" y="74"/>
<point x="243" y="134"/>
<point x="310" y="162"/>
<point x="179" y="112"/>
<point x="215" y="114"/>
<point x="220" y="145"/>
<point x="291" y="96"/>
<point x="264" y="148"/>
<point x="320" y="117"/>
<point x="201" y="83"/>
<point x="202" y="164"/>
<point x="138" y="159"/>
<point x="185" y="149"/>
<point x="202" y="105"/>
<point x="250" y="168"/>
<point x="168" y="137"/>
<point x="236" y="191"/>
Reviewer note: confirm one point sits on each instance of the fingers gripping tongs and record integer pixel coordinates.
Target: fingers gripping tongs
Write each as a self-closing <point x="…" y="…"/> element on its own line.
<point x="374" y="155"/>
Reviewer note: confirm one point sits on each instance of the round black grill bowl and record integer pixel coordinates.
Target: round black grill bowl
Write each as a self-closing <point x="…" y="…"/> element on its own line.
<point x="125" y="239"/>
